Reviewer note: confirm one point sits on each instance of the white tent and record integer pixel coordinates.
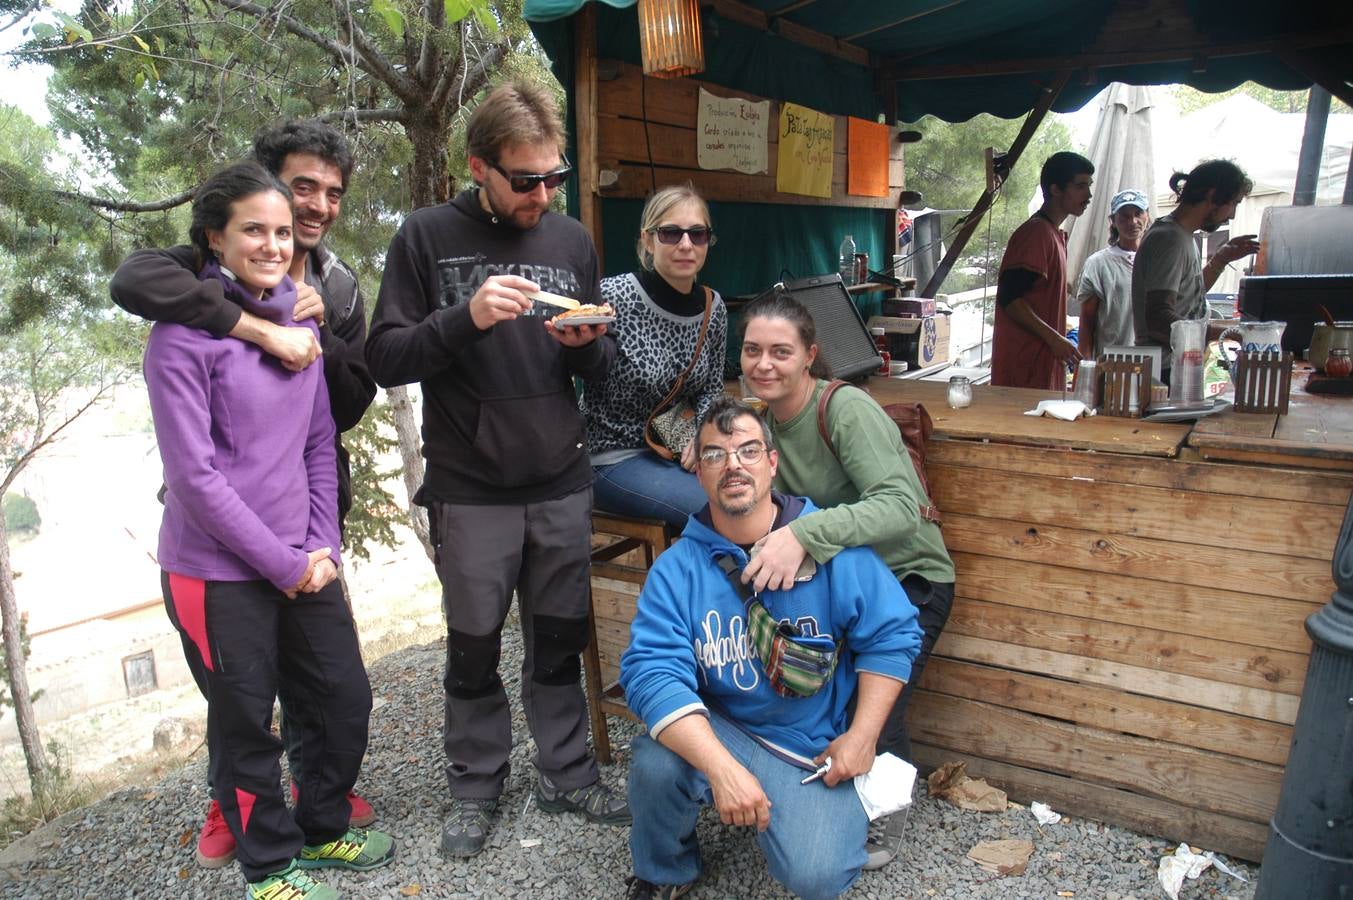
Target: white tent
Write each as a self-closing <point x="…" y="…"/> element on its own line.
<point x="1262" y="141"/>
<point x="1121" y="149"/>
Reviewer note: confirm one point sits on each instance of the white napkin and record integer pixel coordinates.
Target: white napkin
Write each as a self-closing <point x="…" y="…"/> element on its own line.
<point x="887" y="787"/>
<point x="1061" y="409"/>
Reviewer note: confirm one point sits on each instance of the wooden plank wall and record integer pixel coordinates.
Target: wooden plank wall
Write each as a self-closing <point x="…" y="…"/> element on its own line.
<point x="1127" y="639"/>
<point x="653" y="119"/>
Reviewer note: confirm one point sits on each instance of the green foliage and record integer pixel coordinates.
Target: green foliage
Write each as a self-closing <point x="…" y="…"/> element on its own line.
<point x="158" y="96"/>
<point x="5" y="698"/>
<point x="50" y="251"/>
<point x="21" y="515"/>
<point x="65" y="792"/>
<point x="948" y="167"/>
<point x="1192" y="100"/>
<point x="51" y="372"/>
<point x="373" y="507"/>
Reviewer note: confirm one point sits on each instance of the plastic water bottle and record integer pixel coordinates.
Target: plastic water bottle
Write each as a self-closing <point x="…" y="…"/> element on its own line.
<point x="846" y="262"/>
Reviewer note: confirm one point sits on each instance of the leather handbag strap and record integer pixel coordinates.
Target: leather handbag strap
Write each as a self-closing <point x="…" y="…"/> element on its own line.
<point x="657" y="446"/>
<point x="917" y="433"/>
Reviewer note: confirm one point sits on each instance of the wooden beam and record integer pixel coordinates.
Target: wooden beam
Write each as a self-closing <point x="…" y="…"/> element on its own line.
<point x="816" y="40"/>
<point x="793" y="7"/>
<point x="1321" y="74"/>
<point x="585" y="120"/>
<point x="1171" y="819"/>
<point x="904" y="20"/>
<point x="1113" y="59"/>
<point x="1026" y="133"/>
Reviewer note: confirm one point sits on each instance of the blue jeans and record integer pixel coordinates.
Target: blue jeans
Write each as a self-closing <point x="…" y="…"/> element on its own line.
<point x="648" y="487"/>
<point x="666" y="793"/>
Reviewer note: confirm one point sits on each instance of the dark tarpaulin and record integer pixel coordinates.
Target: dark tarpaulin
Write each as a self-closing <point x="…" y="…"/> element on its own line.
<point x="911" y="38"/>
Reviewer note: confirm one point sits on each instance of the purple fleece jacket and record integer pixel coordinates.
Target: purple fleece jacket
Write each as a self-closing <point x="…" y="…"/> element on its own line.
<point x="248" y="450"/>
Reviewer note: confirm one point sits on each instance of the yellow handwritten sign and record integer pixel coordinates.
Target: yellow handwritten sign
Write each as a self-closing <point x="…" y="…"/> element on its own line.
<point x="805" y="158"/>
<point x="866" y="158"/>
<point x="732" y="133"/>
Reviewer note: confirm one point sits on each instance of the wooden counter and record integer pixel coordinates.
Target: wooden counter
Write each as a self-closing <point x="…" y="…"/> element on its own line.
<point x="1317" y="432"/>
<point x="1127" y="641"/>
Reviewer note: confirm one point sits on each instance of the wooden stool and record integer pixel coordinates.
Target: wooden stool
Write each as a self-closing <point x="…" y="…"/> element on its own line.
<point x="622" y="551"/>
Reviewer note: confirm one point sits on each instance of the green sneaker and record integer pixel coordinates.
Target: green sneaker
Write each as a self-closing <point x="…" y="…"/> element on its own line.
<point x="358" y="849"/>
<point x="289" y="884"/>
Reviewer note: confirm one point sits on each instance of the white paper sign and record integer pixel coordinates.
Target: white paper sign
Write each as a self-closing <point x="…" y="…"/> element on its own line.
<point x="732" y="133"/>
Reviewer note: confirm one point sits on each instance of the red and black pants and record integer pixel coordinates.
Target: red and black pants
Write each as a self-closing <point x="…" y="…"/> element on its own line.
<point x="241" y="640"/>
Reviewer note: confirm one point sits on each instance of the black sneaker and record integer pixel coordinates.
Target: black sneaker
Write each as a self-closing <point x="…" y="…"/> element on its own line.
<point x="885" y="839"/>
<point x="638" y="889"/>
<point x="467" y="827"/>
<point x="596" y="801"/>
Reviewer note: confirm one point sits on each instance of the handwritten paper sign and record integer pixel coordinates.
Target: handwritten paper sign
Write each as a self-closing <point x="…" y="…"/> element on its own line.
<point x="732" y="133"/>
<point x="805" y="159"/>
<point x="866" y="158"/>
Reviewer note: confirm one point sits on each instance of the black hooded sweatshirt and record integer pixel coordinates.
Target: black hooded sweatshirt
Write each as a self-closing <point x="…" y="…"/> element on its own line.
<point x="500" y="417"/>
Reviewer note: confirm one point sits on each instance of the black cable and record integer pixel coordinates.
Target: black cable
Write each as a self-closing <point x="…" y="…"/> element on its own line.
<point x="648" y="143"/>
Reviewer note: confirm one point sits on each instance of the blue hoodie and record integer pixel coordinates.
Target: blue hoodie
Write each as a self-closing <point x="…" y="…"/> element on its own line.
<point x="689" y="649"/>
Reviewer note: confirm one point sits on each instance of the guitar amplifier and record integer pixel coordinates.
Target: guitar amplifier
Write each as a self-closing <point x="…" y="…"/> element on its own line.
<point x="842" y="339"/>
<point x="1293" y="299"/>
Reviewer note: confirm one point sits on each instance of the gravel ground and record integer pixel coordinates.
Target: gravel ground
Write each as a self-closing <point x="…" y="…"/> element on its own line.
<point x="139" y="842"/>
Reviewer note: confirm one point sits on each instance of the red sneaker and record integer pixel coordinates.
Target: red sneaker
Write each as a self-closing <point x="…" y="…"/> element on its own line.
<point x="215" y="843"/>
<point x="362" y="813"/>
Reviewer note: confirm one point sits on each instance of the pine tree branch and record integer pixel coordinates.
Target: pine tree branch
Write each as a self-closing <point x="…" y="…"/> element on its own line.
<point x="375" y="65"/>
<point x="468" y="81"/>
<point x="371" y="58"/>
<point x="128" y="205"/>
<point x="365" y="115"/>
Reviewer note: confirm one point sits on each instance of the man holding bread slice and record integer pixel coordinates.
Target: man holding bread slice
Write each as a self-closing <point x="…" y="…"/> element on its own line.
<point x="508" y="486"/>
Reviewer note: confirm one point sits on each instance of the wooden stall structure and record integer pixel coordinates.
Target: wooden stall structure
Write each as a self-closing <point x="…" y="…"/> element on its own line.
<point x="1127" y="641"/>
<point x="646" y="135"/>
<point x="1127" y="638"/>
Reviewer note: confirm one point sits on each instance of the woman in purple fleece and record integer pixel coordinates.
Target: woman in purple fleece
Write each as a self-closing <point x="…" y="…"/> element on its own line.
<point x="249" y="551"/>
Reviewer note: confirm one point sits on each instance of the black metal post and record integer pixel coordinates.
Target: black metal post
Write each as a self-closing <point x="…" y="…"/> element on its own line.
<point x="1312" y="147"/>
<point x="1348" y="182"/>
<point x="1310" y="842"/>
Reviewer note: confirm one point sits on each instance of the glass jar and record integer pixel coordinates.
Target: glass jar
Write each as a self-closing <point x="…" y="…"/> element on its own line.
<point x="1338" y="364"/>
<point x="881" y="347"/>
<point x="960" y="392"/>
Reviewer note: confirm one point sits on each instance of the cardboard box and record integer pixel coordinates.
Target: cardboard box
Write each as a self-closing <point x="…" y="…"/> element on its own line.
<point x="908" y="307"/>
<point x="922" y="342"/>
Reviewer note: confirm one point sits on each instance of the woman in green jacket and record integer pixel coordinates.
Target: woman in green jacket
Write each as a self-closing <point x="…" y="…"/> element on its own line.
<point x="864" y="483"/>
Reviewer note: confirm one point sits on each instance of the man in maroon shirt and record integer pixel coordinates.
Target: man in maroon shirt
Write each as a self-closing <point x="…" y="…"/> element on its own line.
<point x="1028" y="348"/>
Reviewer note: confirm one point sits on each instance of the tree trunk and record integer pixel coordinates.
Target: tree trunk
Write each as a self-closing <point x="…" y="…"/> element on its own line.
<point x="411" y="459"/>
<point x="428" y="184"/>
<point x="429" y="176"/>
<point x="34" y="755"/>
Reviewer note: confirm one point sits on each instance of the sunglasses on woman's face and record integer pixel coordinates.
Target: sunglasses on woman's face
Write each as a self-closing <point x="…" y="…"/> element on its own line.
<point x="525" y="184"/>
<point x="671" y="234"/>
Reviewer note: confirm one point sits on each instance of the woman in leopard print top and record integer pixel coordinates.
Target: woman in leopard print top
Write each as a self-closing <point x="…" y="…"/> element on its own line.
<point x="658" y="314"/>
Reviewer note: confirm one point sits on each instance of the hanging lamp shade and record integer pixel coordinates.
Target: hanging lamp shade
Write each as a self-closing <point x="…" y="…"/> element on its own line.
<point x="669" y="38"/>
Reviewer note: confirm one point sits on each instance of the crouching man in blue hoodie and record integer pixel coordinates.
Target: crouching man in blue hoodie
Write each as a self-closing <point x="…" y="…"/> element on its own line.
<point x="725" y="727"/>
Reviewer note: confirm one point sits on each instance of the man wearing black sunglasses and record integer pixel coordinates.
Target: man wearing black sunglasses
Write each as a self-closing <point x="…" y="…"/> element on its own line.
<point x="508" y="485"/>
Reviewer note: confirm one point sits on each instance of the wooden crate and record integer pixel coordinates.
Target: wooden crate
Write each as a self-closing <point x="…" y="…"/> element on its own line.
<point x="1127" y="639"/>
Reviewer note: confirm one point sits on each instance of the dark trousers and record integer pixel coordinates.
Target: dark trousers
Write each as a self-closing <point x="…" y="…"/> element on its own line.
<point x="241" y="639"/>
<point x="933" y="602"/>
<point x="483" y="553"/>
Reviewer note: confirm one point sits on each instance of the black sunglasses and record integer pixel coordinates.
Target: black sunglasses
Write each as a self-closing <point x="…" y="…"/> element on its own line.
<point x="525" y="184"/>
<point x="671" y="234"/>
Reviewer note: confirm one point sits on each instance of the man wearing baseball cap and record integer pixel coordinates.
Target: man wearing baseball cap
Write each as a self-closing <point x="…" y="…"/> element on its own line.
<point x="1105" y="288"/>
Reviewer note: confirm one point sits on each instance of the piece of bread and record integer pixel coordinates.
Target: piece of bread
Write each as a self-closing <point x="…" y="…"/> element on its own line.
<point x="586" y="309"/>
